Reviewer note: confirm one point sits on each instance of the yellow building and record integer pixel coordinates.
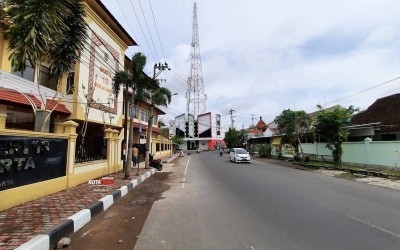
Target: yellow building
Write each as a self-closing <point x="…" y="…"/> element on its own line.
<point x="84" y="138"/>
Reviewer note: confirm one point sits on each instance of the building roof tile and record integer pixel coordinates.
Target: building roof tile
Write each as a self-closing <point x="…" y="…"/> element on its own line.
<point x="384" y="110"/>
<point x="12" y="97"/>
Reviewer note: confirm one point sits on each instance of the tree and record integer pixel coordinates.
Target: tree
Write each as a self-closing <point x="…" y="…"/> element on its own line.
<point x="45" y="31"/>
<point x="125" y="80"/>
<point x="177" y="140"/>
<point x="331" y="124"/>
<point x="160" y="96"/>
<point x="233" y="138"/>
<point x="139" y="82"/>
<point x="165" y="132"/>
<point x="291" y="124"/>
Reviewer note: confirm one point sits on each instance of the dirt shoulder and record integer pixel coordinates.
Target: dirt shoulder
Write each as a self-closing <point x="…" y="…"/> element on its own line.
<point x="119" y="226"/>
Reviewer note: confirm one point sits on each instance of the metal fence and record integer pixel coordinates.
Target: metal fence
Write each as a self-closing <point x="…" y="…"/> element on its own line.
<point x="90" y="149"/>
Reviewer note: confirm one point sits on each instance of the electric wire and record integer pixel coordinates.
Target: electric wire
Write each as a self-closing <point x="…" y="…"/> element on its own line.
<point x="151" y="37"/>
<point x="158" y="34"/>
<point x="141" y="28"/>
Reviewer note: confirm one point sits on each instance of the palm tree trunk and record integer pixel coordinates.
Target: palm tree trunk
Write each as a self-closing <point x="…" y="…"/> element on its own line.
<point x="125" y="126"/>
<point x="149" y="136"/>
<point x="130" y="140"/>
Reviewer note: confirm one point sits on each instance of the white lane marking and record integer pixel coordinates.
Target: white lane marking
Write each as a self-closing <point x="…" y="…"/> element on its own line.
<point x="184" y="175"/>
<point x="374" y="226"/>
<point x="364" y="222"/>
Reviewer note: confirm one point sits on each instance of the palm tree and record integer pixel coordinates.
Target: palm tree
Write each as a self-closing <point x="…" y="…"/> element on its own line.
<point x="139" y="82"/>
<point x="160" y="96"/>
<point x="123" y="79"/>
<point x="45" y="31"/>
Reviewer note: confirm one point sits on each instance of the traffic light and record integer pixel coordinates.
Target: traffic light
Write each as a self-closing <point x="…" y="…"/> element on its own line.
<point x="187" y="129"/>
<point x="196" y="130"/>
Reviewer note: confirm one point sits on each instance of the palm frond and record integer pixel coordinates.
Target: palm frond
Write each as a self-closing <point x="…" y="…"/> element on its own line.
<point x="162" y="96"/>
<point x="64" y="53"/>
<point x="121" y="78"/>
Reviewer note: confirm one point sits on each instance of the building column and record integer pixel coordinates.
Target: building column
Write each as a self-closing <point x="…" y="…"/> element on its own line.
<point x="116" y="155"/>
<point x="58" y="128"/>
<point x="108" y="134"/>
<point x="367" y="150"/>
<point x="70" y="130"/>
<point x="3" y="116"/>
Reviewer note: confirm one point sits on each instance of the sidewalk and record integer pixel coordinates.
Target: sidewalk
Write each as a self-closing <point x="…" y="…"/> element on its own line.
<point x="45" y="215"/>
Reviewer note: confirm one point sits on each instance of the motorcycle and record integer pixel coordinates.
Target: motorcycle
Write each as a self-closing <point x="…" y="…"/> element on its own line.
<point x="157" y="164"/>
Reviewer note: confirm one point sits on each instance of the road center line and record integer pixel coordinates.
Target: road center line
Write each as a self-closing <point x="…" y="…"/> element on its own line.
<point x="364" y="222"/>
<point x="184" y="175"/>
<point x="374" y="226"/>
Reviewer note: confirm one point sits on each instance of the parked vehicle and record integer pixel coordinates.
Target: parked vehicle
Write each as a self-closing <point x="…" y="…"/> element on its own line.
<point x="239" y="155"/>
<point x="157" y="164"/>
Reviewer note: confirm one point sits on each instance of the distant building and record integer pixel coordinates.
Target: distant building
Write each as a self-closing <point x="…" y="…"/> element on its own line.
<point x="203" y="132"/>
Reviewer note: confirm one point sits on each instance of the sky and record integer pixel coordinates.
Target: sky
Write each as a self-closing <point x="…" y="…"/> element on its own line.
<point x="260" y="57"/>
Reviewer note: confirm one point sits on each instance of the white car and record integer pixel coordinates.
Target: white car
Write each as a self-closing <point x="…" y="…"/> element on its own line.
<point x="239" y="155"/>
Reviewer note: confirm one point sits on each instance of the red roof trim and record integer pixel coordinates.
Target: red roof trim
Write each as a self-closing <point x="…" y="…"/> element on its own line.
<point x="144" y="127"/>
<point x="60" y="108"/>
<point x="13" y="97"/>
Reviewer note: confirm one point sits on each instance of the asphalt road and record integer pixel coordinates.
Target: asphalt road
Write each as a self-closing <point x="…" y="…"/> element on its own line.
<point x="222" y="205"/>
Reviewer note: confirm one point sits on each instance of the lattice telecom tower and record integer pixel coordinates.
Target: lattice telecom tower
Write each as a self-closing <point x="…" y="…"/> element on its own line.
<point x="196" y="99"/>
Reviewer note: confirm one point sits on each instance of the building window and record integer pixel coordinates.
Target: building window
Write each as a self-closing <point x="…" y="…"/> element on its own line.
<point x="70" y="83"/>
<point x="144" y="116"/>
<point x="154" y="120"/>
<point x="44" y="75"/>
<point x="27" y="74"/>
<point x="45" y="79"/>
<point x="20" y="118"/>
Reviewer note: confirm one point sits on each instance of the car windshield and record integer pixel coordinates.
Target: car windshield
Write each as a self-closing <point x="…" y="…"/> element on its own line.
<point x="240" y="151"/>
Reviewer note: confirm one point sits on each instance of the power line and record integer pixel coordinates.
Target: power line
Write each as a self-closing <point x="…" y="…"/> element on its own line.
<point x="162" y="50"/>
<point x="361" y="91"/>
<point x="151" y="38"/>
<point x="141" y="28"/>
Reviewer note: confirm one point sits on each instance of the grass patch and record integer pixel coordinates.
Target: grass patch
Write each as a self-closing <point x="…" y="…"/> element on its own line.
<point x="348" y="176"/>
<point x="389" y="171"/>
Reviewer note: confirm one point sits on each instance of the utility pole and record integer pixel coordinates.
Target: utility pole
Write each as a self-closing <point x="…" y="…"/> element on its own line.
<point x="160" y="67"/>
<point x="252" y="119"/>
<point x="232" y="116"/>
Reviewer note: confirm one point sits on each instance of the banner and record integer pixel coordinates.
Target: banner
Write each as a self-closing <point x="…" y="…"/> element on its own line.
<point x="27" y="160"/>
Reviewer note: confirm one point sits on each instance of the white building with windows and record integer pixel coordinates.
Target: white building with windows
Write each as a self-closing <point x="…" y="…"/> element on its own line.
<point x="203" y="132"/>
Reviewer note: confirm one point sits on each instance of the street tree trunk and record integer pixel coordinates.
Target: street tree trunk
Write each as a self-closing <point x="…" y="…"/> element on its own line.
<point x="125" y="127"/>
<point x="130" y="140"/>
<point x="149" y="136"/>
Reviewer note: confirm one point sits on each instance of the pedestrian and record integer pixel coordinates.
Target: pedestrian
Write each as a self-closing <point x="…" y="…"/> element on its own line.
<point x="135" y="154"/>
<point x="221" y="151"/>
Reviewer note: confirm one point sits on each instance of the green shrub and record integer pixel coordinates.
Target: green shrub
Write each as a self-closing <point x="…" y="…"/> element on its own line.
<point x="307" y="158"/>
<point x="264" y="150"/>
<point x="253" y="149"/>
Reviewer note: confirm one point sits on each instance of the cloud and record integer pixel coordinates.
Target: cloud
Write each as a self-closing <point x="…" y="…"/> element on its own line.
<point x="262" y="56"/>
